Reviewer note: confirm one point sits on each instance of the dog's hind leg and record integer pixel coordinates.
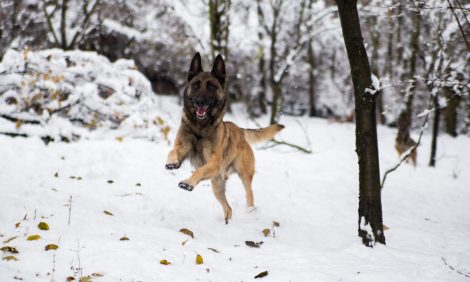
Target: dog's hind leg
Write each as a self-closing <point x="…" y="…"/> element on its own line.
<point x="245" y="167"/>
<point x="218" y="187"/>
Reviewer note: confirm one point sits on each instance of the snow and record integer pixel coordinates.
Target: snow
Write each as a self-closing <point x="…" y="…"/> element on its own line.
<point x="87" y="94"/>
<point x="314" y="197"/>
<point x="375" y="85"/>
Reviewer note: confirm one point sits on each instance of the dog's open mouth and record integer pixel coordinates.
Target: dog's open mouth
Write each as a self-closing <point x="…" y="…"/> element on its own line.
<point x="201" y="112"/>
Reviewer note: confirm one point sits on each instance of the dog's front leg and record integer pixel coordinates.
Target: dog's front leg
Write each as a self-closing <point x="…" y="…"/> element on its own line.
<point x="207" y="171"/>
<point x="179" y="152"/>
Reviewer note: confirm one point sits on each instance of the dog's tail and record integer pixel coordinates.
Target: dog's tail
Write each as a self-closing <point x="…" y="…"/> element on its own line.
<point x="254" y="136"/>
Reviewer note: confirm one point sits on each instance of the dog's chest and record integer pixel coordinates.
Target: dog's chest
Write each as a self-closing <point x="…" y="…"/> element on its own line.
<point x="196" y="156"/>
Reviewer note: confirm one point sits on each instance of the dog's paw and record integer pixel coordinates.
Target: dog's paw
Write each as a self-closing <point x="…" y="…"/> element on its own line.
<point x="172" y="166"/>
<point x="185" y="186"/>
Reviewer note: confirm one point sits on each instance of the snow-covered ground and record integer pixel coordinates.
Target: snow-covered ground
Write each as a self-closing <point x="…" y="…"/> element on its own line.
<point x="313" y="197"/>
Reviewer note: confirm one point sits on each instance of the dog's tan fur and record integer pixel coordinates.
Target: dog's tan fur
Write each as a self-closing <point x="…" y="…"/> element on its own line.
<point x="214" y="147"/>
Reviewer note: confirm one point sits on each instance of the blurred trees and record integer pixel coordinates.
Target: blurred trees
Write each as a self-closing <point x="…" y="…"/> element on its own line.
<point x="283" y="56"/>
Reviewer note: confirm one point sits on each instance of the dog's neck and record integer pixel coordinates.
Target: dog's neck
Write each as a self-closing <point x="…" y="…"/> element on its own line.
<point x="201" y="129"/>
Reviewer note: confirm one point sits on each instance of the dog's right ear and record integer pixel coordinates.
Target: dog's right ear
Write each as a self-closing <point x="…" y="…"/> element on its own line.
<point x="195" y="68"/>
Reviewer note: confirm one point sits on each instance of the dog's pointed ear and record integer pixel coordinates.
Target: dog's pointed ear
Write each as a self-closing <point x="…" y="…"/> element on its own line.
<point x="218" y="69"/>
<point x="195" y="68"/>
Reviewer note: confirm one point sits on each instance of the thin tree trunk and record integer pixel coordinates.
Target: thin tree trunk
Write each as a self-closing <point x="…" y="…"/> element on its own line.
<point x="374" y="66"/>
<point x="63" y="24"/>
<point x="451" y="111"/>
<point x="414" y="59"/>
<point x="370" y="227"/>
<point x="262" y="81"/>
<point x="277" y="101"/>
<point x="312" y="81"/>
<point x="435" y="130"/>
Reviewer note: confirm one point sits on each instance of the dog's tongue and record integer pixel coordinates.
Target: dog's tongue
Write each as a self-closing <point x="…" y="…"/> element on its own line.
<point x="201" y="111"/>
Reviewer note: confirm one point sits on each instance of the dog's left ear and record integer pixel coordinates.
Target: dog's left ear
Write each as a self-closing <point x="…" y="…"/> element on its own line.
<point x="218" y="70"/>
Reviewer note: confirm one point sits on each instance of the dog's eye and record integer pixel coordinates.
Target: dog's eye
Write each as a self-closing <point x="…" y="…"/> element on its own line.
<point x="211" y="87"/>
<point x="196" y="85"/>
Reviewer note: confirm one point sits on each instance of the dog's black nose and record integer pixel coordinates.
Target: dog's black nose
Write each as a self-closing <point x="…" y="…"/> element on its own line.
<point x="200" y="102"/>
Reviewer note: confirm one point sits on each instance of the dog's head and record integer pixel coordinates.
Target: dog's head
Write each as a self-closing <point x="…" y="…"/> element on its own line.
<point x="204" y="97"/>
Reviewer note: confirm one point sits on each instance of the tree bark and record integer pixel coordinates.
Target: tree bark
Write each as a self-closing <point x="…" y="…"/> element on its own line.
<point x="435" y="130"/>
<point x="312" y="81"/>
<point x="370" y="227"/>
<point x="453" y="101"/>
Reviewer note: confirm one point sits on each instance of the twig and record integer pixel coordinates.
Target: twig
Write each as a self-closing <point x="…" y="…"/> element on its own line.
<point x="277" y="142"/>
<point x="453" y="268"/>
<point x="53" y="261"/>
<point x="70" y="208"/>
<point x="307" y="151"/>
<point x="412" y="149"/>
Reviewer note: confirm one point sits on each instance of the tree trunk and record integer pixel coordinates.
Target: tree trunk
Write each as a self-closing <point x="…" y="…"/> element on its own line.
<point x="414" y="59"/>
<point x="219" y="20"/>
<point x="262" y="82"/>
<point x="63" y="24"/>
<point x="370" y="227"/>
<point x="312" y="81"/>
<point x="453" y="101"/>
<point x="374" y="66"/>
<point x="277" y="102"/>
<point x="435" y="130"/>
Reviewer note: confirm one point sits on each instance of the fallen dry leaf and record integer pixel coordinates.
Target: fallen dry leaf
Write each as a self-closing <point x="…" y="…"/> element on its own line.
<point x="33" y="237"/>
<point x="266" y="232"/>
<point x="253" y="244"/>
<point x="187" y="232"/>
<point x="10" y="239"/>
<point x="51" y="247"/>
<point x="70" y="278"/>
<point x="261" y="274"/>
<point x="8" y="258"/>
<point x="165" y="262"/>
<point x="43" y="226"/>
<point x="184" y="242"/>
<point x="97" y="274"/>
<point x="214" y="250"/>
<point x="124" y="239"/>
<point x="108" y="213"/>
<point x="8" y="249"/>
<point x="275" y="223"/>
<point x="199" y="259"/>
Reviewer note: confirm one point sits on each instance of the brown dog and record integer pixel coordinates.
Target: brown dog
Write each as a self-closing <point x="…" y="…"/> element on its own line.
<point x="214" y="147"/>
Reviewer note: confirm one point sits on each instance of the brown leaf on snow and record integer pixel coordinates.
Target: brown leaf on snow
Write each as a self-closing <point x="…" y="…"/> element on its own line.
<point x="70" y="278"/>
<point x="261" y="274"/>
<point x="97" y="274"/>
<point x="33" y="237"/>
<point x="124" y="239"/>
<point x="8" y="249"/>
<point x="43" y="226"/>
<point x="275" y="223"/>
<point x="51" y="247"/>
<point x="8" y="258"/>
<point x="17" y="224"/>
<point x="108" y="213"/>
<point x="165" y="262"/>
<point x="214" y="250"/>
<point x="187" y="232"/>
<point x="253" y="244"/>
<point x="184" y="242"/>
<point x="266" y="232"/>
<point x="199" y="259"/>
<point x="10" y="239"/>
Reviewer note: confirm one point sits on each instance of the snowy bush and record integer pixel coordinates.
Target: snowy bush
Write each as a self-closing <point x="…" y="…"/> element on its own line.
<point x="67" y="95"/>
